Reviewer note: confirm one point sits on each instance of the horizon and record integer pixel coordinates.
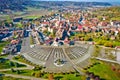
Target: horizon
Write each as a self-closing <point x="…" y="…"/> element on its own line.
<point x="83" y="0"/>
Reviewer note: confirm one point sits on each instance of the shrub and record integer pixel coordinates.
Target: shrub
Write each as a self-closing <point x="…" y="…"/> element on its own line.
<point x="37" y="68"/>
<point x="33" y="73"/>
<point x="16" y="64"/>
<point x="18" y="72"/>
<point x="11" y="63"/>
<point x="12" y="70"/>
<point x="38" y="74"/>
<point x="50" y="77"/>
<point x="100" y="42"/>
<point x="108" y="44"/>
<point x="46" y="76"/>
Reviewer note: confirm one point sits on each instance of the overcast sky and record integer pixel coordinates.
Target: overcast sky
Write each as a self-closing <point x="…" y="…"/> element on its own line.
<point x="85" y="0"/>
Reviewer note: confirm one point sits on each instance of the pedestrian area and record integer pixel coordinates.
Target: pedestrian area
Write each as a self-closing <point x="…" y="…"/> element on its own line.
<point x="59" y="59"/>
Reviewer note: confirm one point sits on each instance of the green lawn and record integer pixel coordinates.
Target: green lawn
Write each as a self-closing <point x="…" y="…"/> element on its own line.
<point x="69" y="77"/>
<point x="33" y="9"/>
<point x="18" y="13"/>
<point x="31" y="17"/>
<point x="4" y="56"/>
<point x="64" y="76"/>
<point x="10" y="78"/>
<point x="5" y="64"/>
<point x="3" y="44"/>
<point x="22" y="72"/>
<point x="22" y="59"/>
<point x="104" y="71"/>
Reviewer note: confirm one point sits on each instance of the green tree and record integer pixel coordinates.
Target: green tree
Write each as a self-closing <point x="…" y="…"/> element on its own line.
<point x="108" y="44"/>
<point x="18" y="71"/>
<point x="16" y="64"/>
<point x="11" y="64"/>
<point x="38" y="74"/>
<point x="33" y="73"/>
<point x="12" y="70"/>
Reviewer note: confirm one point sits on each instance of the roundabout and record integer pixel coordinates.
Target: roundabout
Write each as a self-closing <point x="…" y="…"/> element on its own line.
<point x="59" y="62"/>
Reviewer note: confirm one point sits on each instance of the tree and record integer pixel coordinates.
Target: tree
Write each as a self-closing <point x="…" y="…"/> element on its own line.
<point x="108" y="44"/>
<point x="11" y="63"/>
<point x="100" y="42"/>
<point x="20" y="25"/>
<point x="50" y="77"/>
<point x="18" y="72"/>
<point x="37" y="68"/>
<point x="16" y="64"/>
<point x="38" y="74"/>
<point x="33" y="73"/>
<point x="12" y="70"/>
<point x="90" y="39"/>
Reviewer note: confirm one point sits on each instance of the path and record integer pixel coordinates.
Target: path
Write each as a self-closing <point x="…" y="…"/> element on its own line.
<point x="107" y="60"/>
<point x="73" y="64"/>
<point x="87" y="55"/>
<point x="21" y="68"/>
<point x="27" y="65"/>
<point x="24" y="77"/>
<point x="25" y="45"/>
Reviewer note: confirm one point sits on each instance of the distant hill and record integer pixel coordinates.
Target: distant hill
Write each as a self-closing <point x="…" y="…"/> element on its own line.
<point x="16" y="5"/>
<point x="20" y="5"/>
<point x="49" y="4"/>
<point x="115" y="3"/>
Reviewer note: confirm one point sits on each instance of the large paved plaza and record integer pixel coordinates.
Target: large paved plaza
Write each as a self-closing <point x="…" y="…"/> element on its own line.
<point x="72" y="57"/>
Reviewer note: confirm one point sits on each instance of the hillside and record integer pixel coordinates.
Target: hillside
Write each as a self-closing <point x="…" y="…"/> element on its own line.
<point x="50" y="4"/>
<point x="111" y="13"/>
<point x="16" y="5"/>
<point x="20" y="5"/>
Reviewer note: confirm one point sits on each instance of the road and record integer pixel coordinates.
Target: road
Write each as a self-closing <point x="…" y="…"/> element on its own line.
<point x="25" y="45"/>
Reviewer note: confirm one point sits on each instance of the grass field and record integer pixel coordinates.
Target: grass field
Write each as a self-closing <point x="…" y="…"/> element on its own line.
<point x="64" y="76"/>
<point x="31" y="17"/>
<point x="5" y="64"/>
<point x="10" y="78"/>
<point x="22" y="72"/>
<point x="29" y="13"/>
<point x="104" y="71"/>
<point x="21" y="59"/>
<point x="2" y="45"/>
<point x="69" y="77"/>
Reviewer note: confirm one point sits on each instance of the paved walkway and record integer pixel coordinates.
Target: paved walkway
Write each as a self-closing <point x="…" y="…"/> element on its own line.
<point x="24" y="77"/>
<point x="25" y="45"/>
<point x="107" y="60"/>
<point x="73" y="64"/>
<point x="50" y="67"/>
<point x="87" y="55"/>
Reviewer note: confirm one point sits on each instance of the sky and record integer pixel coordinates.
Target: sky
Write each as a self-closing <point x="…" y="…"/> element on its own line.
<point x="85" y="0"/>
